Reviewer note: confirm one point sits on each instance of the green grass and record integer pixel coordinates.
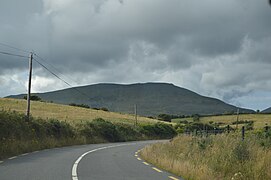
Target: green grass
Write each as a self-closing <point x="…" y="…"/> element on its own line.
<point x="69" y="114"/>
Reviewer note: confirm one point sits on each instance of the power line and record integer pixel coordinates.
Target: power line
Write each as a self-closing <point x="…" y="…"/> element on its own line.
<point x="58" y="71"/>
<point x="60" y="78"/>
<point x="12" y="47"/>
<point x="11" y="54"/>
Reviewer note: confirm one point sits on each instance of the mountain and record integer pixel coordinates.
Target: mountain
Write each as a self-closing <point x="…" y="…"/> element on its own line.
<point x="151" y="99"/>
<point x="267" y="111"/>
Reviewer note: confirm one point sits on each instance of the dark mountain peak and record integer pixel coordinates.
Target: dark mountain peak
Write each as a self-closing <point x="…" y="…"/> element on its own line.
<point x="152" y="98"/>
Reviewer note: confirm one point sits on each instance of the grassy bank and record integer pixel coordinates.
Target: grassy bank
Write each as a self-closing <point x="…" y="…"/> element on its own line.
<point x="214" y="157"/>
<point x="69" y="114"/>
<point x="18" y="136"/>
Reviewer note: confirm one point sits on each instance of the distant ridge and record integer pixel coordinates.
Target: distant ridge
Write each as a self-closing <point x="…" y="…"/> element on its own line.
<point x="267" y="111"/>
<point x="151" y="99"/>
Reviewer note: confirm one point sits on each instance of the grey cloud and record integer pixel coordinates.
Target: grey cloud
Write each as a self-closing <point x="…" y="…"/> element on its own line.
<point x="211" y="47"/>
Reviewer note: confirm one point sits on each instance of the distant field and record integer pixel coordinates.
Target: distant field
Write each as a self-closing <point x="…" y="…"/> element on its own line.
<point x="260" y="120"/>
<point x="67" y="113"/>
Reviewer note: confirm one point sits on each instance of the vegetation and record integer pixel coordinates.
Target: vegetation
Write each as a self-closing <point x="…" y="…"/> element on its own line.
<point x="258" y="121"/>
<point x="80" y="105"/>
<point x="223" y="156"/>
<point x="33" y="98"/>
<point x="19" y="136"/>
<point x="69" y="114"/>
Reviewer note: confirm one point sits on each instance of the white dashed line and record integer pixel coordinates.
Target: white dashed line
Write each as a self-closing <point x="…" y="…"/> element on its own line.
<point x="158" y="170"/>
<point x="146" y="163"/>
<point x="171" y="177"/>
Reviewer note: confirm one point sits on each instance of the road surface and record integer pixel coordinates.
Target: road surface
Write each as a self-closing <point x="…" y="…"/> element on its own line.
<point x="114" y="161"/>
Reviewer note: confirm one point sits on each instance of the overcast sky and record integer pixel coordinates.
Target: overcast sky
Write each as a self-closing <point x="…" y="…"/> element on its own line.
<point x="218" y="48"/>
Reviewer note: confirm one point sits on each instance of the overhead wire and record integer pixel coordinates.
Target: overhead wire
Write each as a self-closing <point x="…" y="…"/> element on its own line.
<point x="12" y="54"/>
<point x="12" y="47"/>
<point x="74" y="88"/>
<point x="55" y="69"/>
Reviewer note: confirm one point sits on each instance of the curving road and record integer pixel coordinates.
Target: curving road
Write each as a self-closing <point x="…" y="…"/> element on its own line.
<point x="115" y="161"/>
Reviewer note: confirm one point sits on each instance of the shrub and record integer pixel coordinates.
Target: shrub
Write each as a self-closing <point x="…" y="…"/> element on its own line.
<point x="101" y="128"/>
<point x="33" y="98"/>
<point x="159" y="130"/>
<point x="80" y="105"/>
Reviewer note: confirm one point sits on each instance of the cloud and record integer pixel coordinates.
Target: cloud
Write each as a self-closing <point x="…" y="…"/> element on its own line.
<point x="217" y="48"/>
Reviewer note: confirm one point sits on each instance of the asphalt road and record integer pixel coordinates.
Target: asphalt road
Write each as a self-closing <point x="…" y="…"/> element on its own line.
<point x="115" y="161"/>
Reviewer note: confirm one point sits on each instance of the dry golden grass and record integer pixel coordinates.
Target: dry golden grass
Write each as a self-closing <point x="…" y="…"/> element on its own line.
<point x="217" y="157"/>
<point x="260" y="120"/>
<point x="67" y="113"/>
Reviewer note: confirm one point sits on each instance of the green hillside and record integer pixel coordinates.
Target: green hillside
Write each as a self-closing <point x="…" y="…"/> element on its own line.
<point x="151" y="99"/>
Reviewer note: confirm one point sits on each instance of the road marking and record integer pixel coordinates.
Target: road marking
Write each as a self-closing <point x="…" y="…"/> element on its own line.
<point x="136" y="155"/>
<point x="171" y="177"/>
<point x="75" y="165"/>
<point x="158" y="170"/>
<point x="24" y="154"/>
<point x="139" y="159"/>
<point x="1" y="162"/>
<point x="35" y="151"/>
<point x="146" y="163"/>
<point x="12" y="157"/>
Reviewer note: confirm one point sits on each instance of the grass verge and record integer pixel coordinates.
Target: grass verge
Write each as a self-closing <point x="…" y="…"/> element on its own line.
<point x="214" y="157"/>
<point x="19" y="136"/>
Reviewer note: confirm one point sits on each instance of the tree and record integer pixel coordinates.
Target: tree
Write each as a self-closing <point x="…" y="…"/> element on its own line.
<point x="33" y="98"/>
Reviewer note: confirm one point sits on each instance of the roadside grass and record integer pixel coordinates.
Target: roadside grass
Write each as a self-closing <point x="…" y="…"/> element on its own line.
<point x="19" y="135"/>
<point x="69" y="114"/>
<point x="260" y="120"/>
<point x="215" y="157"/>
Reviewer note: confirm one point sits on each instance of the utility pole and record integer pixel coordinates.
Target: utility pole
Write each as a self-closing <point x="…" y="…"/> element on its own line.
<point x="29" y="86"/>
<point x="135" y="115"/>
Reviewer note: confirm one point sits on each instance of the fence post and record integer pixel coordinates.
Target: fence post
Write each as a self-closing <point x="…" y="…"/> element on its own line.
<point x="228" y="129"/>
<point x="243" y="133"/>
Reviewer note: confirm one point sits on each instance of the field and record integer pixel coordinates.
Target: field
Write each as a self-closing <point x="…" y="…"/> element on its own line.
<point x="260" y="120"/>
<point x="69" y="114"/>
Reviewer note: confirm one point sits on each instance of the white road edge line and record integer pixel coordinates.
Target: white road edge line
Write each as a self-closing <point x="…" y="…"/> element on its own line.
<point x="12" y="157"/>
<point x="24" y="154"/>
<point x="75" y="165"/>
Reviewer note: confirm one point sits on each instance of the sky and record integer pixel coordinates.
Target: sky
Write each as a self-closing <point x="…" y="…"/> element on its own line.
<point x="217" y="48"/>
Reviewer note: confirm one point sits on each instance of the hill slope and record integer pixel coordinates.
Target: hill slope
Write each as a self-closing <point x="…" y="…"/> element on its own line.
<point x="268" y="110"/>
<point x="66" y="113"/>
<point x="151" y="99"/>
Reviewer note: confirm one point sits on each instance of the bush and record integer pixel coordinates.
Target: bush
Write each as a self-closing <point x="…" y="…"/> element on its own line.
<point x="80" y="105"/>
<point x="33" y="98"/>
<point x="101" y="128"/>
<point x="159" y="130"/>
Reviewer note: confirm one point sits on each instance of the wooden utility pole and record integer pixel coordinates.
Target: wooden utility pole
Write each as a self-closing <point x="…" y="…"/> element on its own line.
<point x="135" y="115"/>
<point x="29" y="86"/>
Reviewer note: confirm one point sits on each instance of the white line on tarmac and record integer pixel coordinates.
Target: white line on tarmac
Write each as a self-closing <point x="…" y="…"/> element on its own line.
<point x="75" y="165"/>
<point x="24" y="154"/>
<point x="12" y="157"/>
